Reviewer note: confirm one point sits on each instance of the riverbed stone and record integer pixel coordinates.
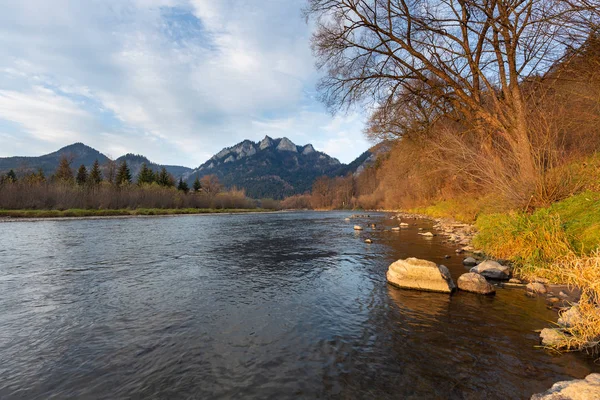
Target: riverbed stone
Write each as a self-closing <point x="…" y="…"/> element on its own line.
<point x="474" y="283"/>
<point x="577" y="389"/>
<point x="552" y="337"/>
<point x="469" y="261"/>
<point x="414" y="273"/>
<point x="368" y="241"/>
<point x="358" y="228"/>
<point x="570" y="317"/>
<point x="536" y="287"/>
<point x="553" y="300"/>
<point x="492" y="269"/>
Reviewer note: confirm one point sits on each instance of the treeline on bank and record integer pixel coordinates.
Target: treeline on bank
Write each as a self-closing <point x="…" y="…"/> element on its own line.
<point x="117" y="189"/>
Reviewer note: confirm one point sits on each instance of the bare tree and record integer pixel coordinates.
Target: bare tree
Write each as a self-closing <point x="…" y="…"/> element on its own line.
<point x="211" y="184"/>
<point x="463" y="58"/>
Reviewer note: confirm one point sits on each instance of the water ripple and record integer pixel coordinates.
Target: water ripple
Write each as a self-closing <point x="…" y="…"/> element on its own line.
<point x="290" y="305"/>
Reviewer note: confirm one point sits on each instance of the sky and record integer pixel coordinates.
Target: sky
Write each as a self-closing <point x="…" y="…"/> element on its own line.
<point x="174" y="80"/>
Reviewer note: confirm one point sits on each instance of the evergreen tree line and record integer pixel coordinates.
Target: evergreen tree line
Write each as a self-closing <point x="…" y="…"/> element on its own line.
<point x="114" y="187"/>
<point x="122" y="177"/>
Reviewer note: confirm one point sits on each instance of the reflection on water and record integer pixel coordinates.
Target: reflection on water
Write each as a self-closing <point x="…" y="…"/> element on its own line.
<point x="256" y="306"/>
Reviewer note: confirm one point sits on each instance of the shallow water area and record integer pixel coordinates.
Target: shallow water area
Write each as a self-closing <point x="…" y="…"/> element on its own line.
<point x="283" y="305"/>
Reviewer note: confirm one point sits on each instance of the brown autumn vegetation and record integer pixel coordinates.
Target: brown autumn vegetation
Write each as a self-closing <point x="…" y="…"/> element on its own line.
<point x="450" y="160"/>
<point x="481" y="97"/>
<point x="65" y="191"/>
<point x="61" y="196"/>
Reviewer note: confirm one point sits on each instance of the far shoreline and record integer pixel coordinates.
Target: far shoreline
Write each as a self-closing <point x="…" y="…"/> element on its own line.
<point x="79" y="214"/>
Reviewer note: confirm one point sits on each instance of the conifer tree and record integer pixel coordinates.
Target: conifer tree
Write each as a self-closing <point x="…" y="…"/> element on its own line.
<point x="64" y="173"/>
<point x="183" y="186"/>
<point x="95" y="174"/>
<point x="197" y="185"/>
<point x="11" y="177"/>
<point x="123" y="175"/>
<point x="41" y="176"/>
<point x="146" y="176"/>
<point x="82" y="175"/>
<point x="164" y="178"/>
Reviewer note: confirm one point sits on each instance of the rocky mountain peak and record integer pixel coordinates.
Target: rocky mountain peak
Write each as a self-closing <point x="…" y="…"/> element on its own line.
<point x="286" y="144"/>
<point x="265" y="143"/>
<point x="308" y="149"/>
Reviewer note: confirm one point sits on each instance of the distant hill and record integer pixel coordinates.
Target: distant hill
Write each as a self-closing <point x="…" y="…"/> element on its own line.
<point x="135" y="161"/>
<point x="80" y="153"/>
<point x="273" y="168"/>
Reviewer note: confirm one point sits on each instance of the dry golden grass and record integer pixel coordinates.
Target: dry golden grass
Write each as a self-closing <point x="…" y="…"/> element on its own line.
<point x="584" y="273"/>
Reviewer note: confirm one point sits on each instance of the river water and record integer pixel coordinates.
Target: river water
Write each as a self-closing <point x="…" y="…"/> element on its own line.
<point x="283" y="305"/>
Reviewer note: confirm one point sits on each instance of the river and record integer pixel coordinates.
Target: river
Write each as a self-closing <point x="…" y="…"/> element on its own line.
<point x="269" y="306"/>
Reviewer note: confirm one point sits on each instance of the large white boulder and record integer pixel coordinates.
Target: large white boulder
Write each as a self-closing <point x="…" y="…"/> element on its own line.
<point x="577" y="389"/>
<point x="492" y="269"/>
<point x="417" y="274"/>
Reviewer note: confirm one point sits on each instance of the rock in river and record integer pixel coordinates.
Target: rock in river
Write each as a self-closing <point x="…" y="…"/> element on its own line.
<point x="536" y="287"/>
<point x="552" y="337"/>
<point x="475" y="283"/>
<point x="414" y="273"/>
<point x="469" y="261"/>
<point x="492" y="269"/>
<point x="578" y="389"/>
<point x="358" y="228"/>
<point x="570" y="318"/>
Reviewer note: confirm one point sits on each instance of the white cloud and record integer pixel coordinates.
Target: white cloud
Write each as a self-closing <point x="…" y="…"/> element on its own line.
<point x="175" y="80"/>
<point x="44" y="115"/>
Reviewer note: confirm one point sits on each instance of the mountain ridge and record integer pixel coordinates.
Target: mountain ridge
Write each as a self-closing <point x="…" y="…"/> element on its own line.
<point x="270" y="168"/>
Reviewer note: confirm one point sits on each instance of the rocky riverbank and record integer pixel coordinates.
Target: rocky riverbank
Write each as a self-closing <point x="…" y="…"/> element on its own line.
<point x="561" y="298"/>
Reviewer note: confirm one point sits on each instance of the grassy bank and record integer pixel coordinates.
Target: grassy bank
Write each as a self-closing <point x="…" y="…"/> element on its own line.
<point x="560" y="242"/>
<point x="74" y="213"/>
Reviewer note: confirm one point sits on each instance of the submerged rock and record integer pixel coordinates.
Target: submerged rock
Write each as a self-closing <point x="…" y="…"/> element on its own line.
<point x="577" y="389"/>
<point x="492" y="269"/>
<point x="368" y="241"/>
<point x="474" y="283"/>
<point x="414" y="273"/>
<point x="396" y="229"/>
<point x="358" y="228"/>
